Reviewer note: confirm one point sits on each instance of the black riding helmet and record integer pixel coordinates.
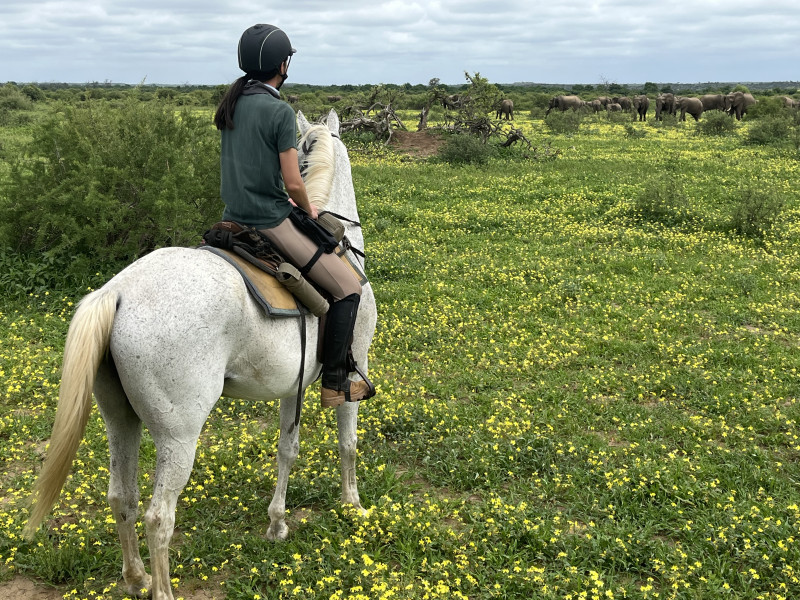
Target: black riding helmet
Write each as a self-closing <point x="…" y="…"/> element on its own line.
<point x="262" y="48"/>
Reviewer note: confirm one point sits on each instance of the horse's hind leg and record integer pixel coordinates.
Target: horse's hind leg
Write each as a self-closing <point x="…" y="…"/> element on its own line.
<point x="175" y="457"/>
<point x="124" y="429"/>
<point x="288" y="449"/>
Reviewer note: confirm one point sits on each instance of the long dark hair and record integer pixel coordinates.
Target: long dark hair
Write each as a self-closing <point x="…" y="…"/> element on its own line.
<point x="223" y="118"/>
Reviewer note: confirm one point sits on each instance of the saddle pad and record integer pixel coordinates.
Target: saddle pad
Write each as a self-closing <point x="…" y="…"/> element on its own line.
<point x="270" y="294"/>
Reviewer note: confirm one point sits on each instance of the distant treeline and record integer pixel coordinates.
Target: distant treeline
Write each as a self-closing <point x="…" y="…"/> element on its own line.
<point x="404" y="96"/>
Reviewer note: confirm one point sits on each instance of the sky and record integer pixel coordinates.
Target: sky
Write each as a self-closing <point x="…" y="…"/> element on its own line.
<point x="177" y="42"/>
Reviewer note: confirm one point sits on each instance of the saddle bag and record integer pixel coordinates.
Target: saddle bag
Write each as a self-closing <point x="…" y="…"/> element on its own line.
<point x="299" y="286"/>
<point x="314" y="230"/>
<point x="332" y="225"/>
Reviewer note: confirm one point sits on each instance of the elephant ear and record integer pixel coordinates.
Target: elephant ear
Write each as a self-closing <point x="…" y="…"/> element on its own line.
<point x="333" y="122"/>
<point x="302" y="122"/>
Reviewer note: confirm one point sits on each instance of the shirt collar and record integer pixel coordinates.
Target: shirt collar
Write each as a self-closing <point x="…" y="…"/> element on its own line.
<point x="255" y="83"/>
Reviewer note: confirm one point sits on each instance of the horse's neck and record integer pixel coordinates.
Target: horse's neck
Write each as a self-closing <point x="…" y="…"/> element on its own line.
<point x="342" y="200"/>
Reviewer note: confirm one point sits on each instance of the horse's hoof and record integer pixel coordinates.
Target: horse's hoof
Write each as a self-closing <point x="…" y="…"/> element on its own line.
<point x="277" y="532"/>
<point x="141" y="589"/>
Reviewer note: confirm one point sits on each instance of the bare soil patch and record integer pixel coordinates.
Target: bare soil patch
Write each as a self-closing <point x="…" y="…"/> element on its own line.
<point x="419" y="144"/>
<point x="20" y="588"/>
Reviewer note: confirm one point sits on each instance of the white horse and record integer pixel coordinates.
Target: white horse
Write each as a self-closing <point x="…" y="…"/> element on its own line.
<point x="161" y="341"/>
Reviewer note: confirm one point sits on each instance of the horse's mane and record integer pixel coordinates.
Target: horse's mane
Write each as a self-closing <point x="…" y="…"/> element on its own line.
<point x="317" y="164"/>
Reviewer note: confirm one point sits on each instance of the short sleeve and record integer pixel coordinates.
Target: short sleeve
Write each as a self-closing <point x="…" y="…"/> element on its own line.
<point x="286" y="124"/>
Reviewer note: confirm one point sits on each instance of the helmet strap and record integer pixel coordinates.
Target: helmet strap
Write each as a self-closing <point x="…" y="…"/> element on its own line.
<point x="284" y="76"/>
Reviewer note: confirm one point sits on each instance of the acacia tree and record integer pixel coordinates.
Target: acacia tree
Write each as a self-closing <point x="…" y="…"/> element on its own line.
<point x="478" y="102"/>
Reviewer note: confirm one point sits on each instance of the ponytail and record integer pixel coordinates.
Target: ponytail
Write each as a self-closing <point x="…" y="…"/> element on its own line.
<point x="223" y="118"/>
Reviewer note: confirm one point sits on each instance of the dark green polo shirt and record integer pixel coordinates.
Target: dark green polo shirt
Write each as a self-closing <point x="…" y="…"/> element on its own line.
<point x="252" y="186"/>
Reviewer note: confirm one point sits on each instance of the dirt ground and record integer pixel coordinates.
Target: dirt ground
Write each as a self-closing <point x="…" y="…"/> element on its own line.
<point x="419" y="144"/>
<point x="20" y="588"/>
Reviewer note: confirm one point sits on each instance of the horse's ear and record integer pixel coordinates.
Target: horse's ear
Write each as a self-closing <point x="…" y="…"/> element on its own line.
<point x="333" y="122"/>
<point x="302" y="122"/>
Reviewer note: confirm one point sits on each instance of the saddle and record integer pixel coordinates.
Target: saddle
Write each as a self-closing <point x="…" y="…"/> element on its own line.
<point x="278" y="287"/>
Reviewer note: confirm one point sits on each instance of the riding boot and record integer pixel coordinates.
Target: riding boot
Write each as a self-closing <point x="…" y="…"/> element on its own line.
<point x="336" y="357"/>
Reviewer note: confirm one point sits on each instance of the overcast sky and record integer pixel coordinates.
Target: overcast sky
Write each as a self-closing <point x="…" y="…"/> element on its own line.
<point x="399" y="41"/>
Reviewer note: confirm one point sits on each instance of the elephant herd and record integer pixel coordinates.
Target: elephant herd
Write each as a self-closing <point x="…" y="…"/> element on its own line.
<point x="735" y="104"/>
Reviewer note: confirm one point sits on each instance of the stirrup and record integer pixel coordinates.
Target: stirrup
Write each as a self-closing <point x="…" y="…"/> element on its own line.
<point x="370" y="386"/>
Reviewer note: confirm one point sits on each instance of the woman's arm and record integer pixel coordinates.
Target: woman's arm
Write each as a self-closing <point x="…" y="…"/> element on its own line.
<point x="293" y="181"/>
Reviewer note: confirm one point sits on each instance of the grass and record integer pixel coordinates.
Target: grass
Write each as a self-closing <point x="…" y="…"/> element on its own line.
<point x="574" y="401"/>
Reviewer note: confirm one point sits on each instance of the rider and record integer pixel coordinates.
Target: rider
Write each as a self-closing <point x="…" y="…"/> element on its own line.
<point x="259" y="166"/>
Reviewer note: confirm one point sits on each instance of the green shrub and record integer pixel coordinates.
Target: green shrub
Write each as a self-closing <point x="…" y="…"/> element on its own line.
<point x="667" y="121"/>
<point x="33" y="92"/>
<point x="716" y="122"/>
<point x="766" y="107"/>
<point x="634" y="133"/>
<point x="461" y="149"/>
<point x="618" y="117"/>
<point x="568" y="121"/>
<point x="663" y="200"/>
<point x="11" y="98"/>
<point x="755" y="212"/>
<point x="112" y="183"/>
<point x="770" y="130"/>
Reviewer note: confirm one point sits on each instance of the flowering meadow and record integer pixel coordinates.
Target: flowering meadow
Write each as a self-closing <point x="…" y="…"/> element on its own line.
<point x="580" y="397"/>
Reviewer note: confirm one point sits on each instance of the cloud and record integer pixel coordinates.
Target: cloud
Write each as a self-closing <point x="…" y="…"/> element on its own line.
<point x="397" y="41"/>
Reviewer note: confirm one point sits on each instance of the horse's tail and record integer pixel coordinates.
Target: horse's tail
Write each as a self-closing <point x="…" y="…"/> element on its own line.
<point x="86" y="345"/>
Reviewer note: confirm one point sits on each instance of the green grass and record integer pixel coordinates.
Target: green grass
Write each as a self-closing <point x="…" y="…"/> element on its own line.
<point x="574" y="401"/>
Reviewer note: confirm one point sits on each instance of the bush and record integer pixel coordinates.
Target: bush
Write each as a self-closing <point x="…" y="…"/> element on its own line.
<point x="461" y="149"/>
<point x="33" y="92"/>
<point x="633" y="132"/>
<point x="766" y="107"/>
<point x="663" y="200"/>
<point x="112" y="183"/>
<point x="755" y="212"/>
<point x="667" y="121"/>
<point x="565" y="122"/>
<point x="619" y="117"/>
<point x="716" y="122"/>
<point x="11" y="98"/>
<point x="770" y="130"/>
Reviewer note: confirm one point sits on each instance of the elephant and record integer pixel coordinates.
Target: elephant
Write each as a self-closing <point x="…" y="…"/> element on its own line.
<point x="596" y="105"/>
<point x="790" y="102"/>
<point x="292" y="98"/>
<point x="624" y="102"/>
<point x="641" y="104"/>
<point x="452" y="101"/>
<point x="693" y="106"/>
<point x="334" y="98"/>
<point x="665" y="103"/>
<point x="563" y="103"/>
<point x="604" y="100"/>
<point x="505" y="109"/>
<point x="614" y="107"/>
<point x="737" y="103"/>
<point x="713" y="102"/>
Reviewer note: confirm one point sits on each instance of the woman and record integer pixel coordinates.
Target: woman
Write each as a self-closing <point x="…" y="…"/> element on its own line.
<point x="259" y="166"/>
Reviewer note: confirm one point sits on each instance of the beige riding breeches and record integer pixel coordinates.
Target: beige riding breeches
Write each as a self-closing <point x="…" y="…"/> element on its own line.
<point x="329" y="272"/>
